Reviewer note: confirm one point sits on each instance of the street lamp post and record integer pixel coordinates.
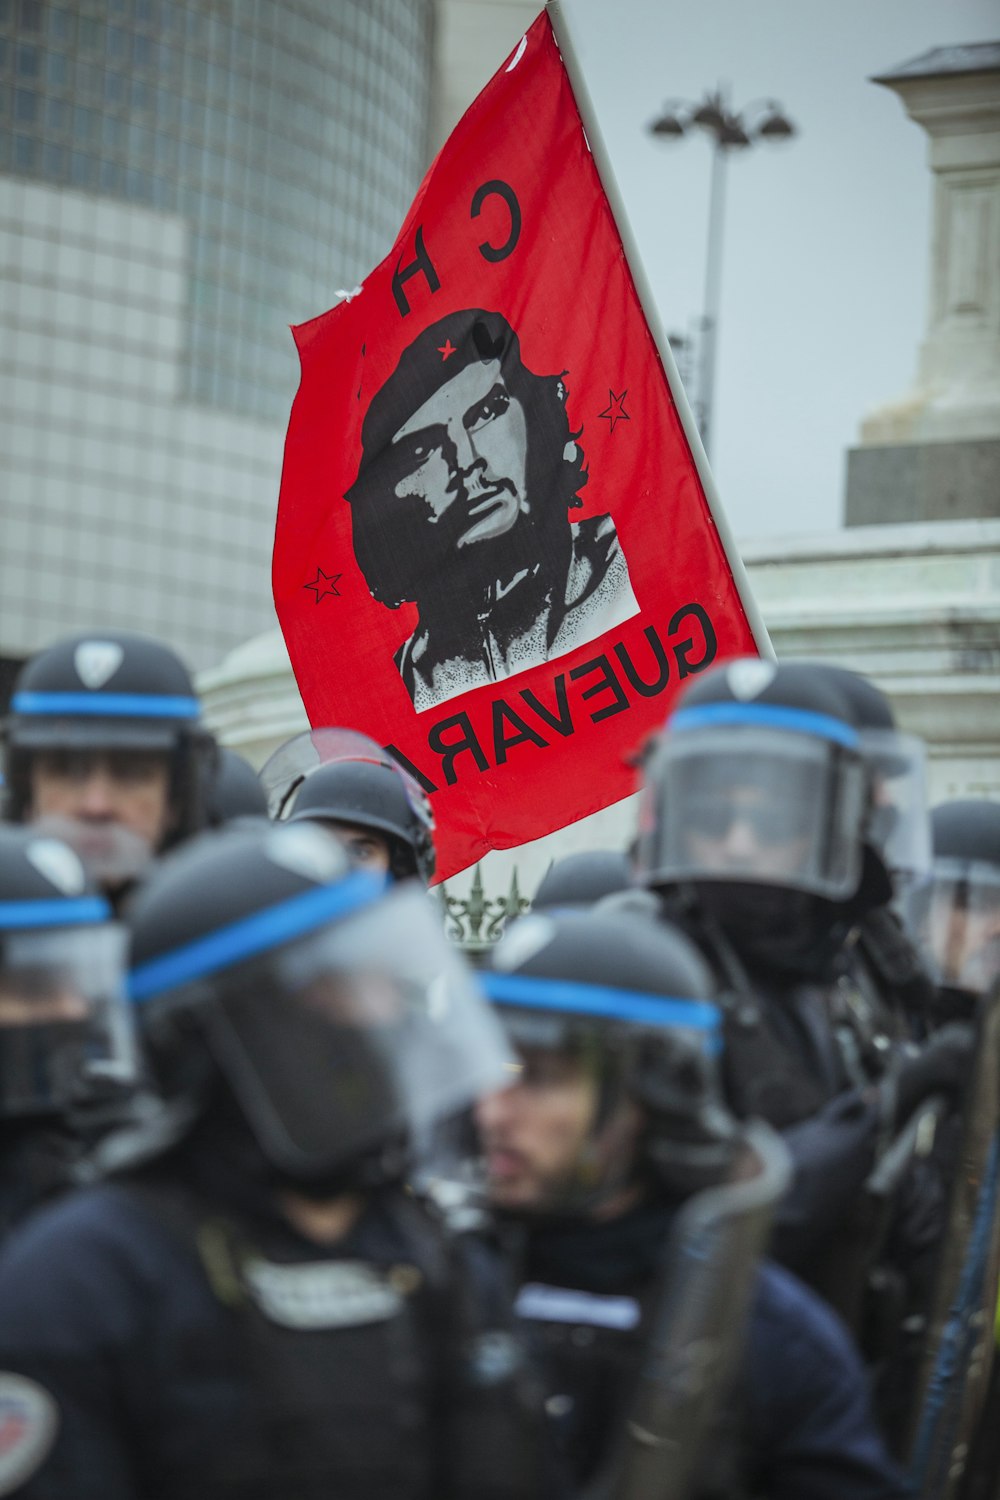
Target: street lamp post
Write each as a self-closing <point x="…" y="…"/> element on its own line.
<point x="730" y="130"/>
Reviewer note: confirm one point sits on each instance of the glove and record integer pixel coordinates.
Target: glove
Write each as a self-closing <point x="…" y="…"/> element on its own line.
<point x="941" y="1066"/>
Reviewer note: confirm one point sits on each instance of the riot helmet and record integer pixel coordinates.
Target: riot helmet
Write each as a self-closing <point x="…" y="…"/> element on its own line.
<point x="104" y="746"/>
<point x="583" y="878"/>
<point x="955" y="914"/>
<point x="270" y="975"/>
<point x="342" y="778"/>
<point x="232" y="790"/>
<point x="66" y="1037"/>
<point x="758" y="779"/>
<point x="618" y="1040"/>
<point x="754" y="807"/>
<point x="898" y="826"/>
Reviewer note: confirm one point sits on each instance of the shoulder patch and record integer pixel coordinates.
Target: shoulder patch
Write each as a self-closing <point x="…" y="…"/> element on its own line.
<point x="29" y="1421"/>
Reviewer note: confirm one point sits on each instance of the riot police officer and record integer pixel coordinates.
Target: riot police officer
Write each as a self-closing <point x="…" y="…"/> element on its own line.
<point x="104" y="746"/>
<point x="254" y="1306"/>
<point x="601" y="1151"/>
<point x="583" y="878"/>
<point x="955" y="916"/>
<point x="232" y="790"/>
<point x="342" y="779"/>
<point x="66" y="1053"/>
<point x="753" y="832"/>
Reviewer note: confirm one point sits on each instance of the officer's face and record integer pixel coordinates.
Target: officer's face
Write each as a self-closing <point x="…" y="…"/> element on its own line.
<point x="743" y="830"/>
<point x="26" y="1000"/>
<point x="466" y="446"/>
<point x="538" y="1135"/>
<point x="368" y="848"/>
<point x="965" y="938"/>
<point x="101" y="790"/>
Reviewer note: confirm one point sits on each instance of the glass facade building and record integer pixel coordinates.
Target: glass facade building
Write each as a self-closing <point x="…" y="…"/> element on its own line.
<point x="178" y="183"/>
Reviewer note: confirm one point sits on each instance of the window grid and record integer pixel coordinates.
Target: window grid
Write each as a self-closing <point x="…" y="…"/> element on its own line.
<point x="289" y="133"/>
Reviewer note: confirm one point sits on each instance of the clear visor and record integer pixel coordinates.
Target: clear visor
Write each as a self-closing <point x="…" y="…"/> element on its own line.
<point x="283" y="774"/>
<point x="369" y="1029"/>
<point x="772" y="808"/>
<point x="65" y="1029"/>
<point x="899" y="822"/>
<point x="955" y="917"/>
<point x="111" y="853"/>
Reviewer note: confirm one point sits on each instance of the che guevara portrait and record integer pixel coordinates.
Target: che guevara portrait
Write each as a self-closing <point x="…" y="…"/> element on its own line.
<point x="468" y="476"/>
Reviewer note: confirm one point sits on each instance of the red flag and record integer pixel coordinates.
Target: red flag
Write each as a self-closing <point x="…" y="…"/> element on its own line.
<point x="493" y="551"/>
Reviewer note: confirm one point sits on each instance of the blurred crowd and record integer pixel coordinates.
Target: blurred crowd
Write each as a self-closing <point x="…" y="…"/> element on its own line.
<point x="690" y="1190"/>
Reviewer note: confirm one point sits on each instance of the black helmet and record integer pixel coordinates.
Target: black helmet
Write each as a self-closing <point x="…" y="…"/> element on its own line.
<point x="331" y="1011"/>
<point x="767" y="748"/>
<point x="232" y="790"/>
<point x="582" y="879"/>
<point x="967" y="831"/>
<point x="631" y="1001"/>
<point x="868" y="705"/>
<point x="65" y="1030"/>
<point x="344" y="777"/>
<point x="754" y="808"/>
<point x="108" y="691"/>
<point x="955" y="915"/>
<point x="899" y="822"/>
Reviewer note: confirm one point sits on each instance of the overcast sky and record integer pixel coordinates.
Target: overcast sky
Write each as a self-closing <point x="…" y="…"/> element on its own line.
<point x="825" y="256"/>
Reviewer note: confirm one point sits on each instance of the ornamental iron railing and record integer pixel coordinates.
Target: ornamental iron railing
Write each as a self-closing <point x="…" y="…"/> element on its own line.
<point x="475" y="921"/>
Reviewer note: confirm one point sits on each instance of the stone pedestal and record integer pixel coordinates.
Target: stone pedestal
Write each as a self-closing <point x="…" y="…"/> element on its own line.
<point x="934" y="453"/>
<point x="923" y="482"/>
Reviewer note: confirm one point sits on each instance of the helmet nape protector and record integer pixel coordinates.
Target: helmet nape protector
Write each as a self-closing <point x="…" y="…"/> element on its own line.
<point x="362" y="1027"/>
<point x="755" y="793"/>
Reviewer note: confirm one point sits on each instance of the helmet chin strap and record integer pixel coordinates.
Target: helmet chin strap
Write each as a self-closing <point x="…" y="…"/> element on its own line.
<point x="616" y="1185"/>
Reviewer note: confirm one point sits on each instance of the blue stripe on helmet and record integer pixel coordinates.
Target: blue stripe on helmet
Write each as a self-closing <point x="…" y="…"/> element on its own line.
<point x="768" y="715"/>
<point x="107" y="705"/>
<point x="257" y="933"/>
<point x="18" y="915"/>
<point x="569" y="998"/>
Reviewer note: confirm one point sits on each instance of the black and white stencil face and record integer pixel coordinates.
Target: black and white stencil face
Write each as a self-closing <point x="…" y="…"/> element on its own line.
<point x="466" y="446"/>
<point x="469" y="474"/>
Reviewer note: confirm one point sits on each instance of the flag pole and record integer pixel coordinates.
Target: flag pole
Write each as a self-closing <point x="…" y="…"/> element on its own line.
<point x="644" y="292"/>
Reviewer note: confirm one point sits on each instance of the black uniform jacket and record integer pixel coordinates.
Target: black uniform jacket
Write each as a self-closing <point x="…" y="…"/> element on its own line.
<point x="155" y="1343"/>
